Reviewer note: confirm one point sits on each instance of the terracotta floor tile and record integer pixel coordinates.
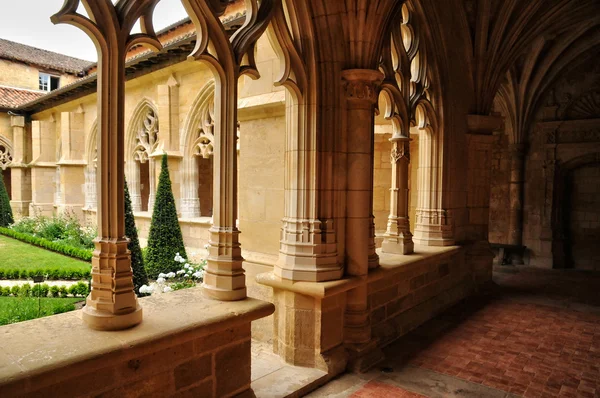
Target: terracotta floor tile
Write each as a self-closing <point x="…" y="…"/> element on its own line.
<point x="375" y="389"/>
<point x="523" y="347"/>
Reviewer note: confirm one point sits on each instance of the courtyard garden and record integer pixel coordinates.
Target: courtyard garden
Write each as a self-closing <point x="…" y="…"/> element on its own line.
<point x="56" y="252"/>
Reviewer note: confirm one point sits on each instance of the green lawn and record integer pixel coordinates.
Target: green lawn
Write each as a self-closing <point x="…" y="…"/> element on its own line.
<point x="18" y="309"/>
<point x="16" y="255"/>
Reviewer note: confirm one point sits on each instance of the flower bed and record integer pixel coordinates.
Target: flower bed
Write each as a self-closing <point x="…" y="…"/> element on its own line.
<point x="188" y="276"/>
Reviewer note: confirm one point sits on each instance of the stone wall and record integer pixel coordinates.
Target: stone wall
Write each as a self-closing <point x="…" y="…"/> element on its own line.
<point x="16" y="74"/>
<point x="584" y="218"/>
<point x="500" y="191"/>
<point x="404" y="297"/>
<point x="205" y="353"/>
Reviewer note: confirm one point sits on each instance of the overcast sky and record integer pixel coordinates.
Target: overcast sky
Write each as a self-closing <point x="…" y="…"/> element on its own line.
<point x="28" y="22"/>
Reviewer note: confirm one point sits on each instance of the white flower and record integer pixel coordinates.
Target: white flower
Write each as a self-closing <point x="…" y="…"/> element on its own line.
<point x="160" y="280"/>
<point x="198" y="274"/>
<point x="167" y="289"/>
<point x="182" y="260"/>
<point x="186" y="266"/>
<point x="146" y="289"/>
<point x="181" y="271"/>
<point x="161" y="275"/>
<point x="170" y="275"/>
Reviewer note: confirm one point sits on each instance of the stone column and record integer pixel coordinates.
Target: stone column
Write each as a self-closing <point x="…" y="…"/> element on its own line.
<point x="398" y="239"/>
<point x="21" y="174"/>
<point x="90" y="188"/>
<point x="480" y="140"/>
<point x="229" y="56"/>
<point x="43" y="167"/>
<point x="112" y="304"/>
<point x="308" y="249"/>
<point x="361" y="88"/>
<point x="71" y="170"/>
<point x="433" y="226"/>
<point x="517" y="179"/>
<point x="133" y="180"/>
<point x="168" y="109"/>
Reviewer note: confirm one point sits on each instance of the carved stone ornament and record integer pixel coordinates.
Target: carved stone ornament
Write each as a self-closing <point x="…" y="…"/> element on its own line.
<point x="147" y="137"/>
<point x="203" y="146"/>
<point x="361" y="90"/>
<point x="5" y="157"/>
<point x="398" y="153"/>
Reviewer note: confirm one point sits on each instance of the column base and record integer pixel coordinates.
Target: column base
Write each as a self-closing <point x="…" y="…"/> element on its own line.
<point x="433" y="235"/>
<point x="215" y="293"/>
<point x="308" y="273"/>
<point x="101" y="320"/>
<point x="398" y="246"/>
<point x="20" y="208"/>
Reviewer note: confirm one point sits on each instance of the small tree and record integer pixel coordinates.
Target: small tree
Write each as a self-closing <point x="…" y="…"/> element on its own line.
<point x="6" y="215"/>
<point x="137" y="260"/>
<point x="164" y="240"/>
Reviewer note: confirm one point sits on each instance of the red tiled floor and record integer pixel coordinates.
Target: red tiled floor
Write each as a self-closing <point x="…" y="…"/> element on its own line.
<point x="375" y="389"/>
<point x="528" y="349"/>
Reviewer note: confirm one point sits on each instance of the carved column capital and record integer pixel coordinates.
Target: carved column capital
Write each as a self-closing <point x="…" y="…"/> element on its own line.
<point x="362" y="84"/>
<point x="400" y="150"/>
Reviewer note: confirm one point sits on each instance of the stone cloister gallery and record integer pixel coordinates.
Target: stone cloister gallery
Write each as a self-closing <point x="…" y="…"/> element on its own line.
<point x="350" y="164"/>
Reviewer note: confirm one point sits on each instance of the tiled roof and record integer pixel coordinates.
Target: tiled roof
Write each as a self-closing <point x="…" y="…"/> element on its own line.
<point x="11" y="97"/>
<point x="47" y="59"/>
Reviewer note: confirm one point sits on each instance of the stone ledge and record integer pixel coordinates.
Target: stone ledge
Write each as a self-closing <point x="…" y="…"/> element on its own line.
<point x="46" y="346"/>
<point x="312" y="289"/>
<point x="391" y="263"/>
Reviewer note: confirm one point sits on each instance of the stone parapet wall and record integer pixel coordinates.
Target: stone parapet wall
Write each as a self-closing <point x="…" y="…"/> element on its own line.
<point x="404" y="297"/>
<point x="403" y="293"/>
<point x="186" y="346"/>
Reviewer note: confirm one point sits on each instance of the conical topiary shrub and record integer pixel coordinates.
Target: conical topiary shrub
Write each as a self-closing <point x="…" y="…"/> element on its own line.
<point x="6" y="215"/>
<point x="164" y="240"/>
<point x="137" y="260"/>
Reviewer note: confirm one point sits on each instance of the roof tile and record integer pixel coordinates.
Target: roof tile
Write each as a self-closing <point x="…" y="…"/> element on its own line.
<point x="47" y="59"/>
<point x="13" y="97"/>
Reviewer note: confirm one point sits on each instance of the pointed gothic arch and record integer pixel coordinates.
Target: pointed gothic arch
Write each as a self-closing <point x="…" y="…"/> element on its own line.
<point x="141" y="143"/>
<point x="196" y="144"/>
<point x="90" y="172"/>
<point x="6" y="154"/>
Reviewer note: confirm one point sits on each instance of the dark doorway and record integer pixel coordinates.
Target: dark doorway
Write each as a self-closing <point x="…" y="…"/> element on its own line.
<point x="205" y="186"/>
<point x="145" y="184"/>
<point x="6" y="174"/>
<point x="583" y="218"/>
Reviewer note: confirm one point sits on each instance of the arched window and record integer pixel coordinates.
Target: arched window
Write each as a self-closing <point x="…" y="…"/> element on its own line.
<point x="5" y="161"/>
<point x="141" y="143"/>
<point x="91" y="169"/>
<point x="197" y="146"/>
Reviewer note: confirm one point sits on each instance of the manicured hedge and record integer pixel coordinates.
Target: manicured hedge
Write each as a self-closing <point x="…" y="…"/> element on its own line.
<point x="50" y="273"/>
<point x="80" y="289"/>
<point x="85" y="255"/>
